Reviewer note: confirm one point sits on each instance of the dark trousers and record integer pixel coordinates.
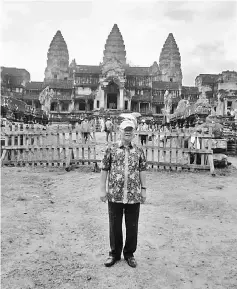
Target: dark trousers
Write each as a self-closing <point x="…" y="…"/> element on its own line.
<point x="86" y="136"/>
<point x="131" y="212"/>
<point x="107" y="135"/>
<point x="144" y="138"/>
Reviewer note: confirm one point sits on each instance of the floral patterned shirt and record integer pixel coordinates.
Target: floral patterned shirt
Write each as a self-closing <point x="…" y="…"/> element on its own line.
<point x="124" y="165"/>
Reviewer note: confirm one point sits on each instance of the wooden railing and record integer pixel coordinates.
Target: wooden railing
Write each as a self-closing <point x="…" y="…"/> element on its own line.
<point x="62" y="146"/>
<point x="178" y="150"/>
<point x="51" y="147"/>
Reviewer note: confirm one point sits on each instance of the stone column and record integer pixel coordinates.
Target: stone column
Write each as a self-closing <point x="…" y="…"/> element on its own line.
<point x="58" y="106"/>
<point x="106" y="101"/>
<point x="225" y="106"/>
<point x="71" y="105"/>
<point x="121" y="99"/>
<point x="86" y="105"/>
<point x="94" y="104"/>
<point x="129" y="104"/>
<point x="102" y="99"/>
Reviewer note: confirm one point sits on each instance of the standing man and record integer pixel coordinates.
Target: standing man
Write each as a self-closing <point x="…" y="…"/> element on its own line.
<point x="85" y="129"/>
<point x="124" y="164"/>
<point x="144" y="137"/>
<point x="109" y="129"/>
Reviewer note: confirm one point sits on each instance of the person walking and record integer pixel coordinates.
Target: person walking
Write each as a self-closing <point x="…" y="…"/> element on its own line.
<point x="144" y="137"/>
<point x="85" y="129"/>
<point x="124" y="166"/>
<point x="109" y="129"/>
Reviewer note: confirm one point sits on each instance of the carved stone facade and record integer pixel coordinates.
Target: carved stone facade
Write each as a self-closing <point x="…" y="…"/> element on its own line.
<point x="57" y="59"/>
<point x="219" y="89"/>
<point x="114" y="47"/>
<point x="113" y="85"/>
<point x="170" y="61"/>
<point x="117" y="86"/>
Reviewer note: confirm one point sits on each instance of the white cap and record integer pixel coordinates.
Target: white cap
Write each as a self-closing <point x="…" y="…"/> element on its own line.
<point x="127" y="123"/>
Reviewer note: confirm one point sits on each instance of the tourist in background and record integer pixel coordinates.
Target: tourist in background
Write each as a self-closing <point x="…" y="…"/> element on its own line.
<point x="85" y="129"/>
<point x="124" y="166"/>
<point x="102" y="124"/>
<point x="144" y="137"/>
<point x="109" y="129"/>
<point x="92" y="127"/>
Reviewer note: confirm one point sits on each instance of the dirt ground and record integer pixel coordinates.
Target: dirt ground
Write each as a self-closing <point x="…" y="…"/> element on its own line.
<point x="55" y="231"/>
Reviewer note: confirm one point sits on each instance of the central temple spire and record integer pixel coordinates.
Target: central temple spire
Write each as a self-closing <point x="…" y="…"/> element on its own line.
<point x="114" y="47"/>
<point x="57" y="58"/>
<point x="170" y="61"/>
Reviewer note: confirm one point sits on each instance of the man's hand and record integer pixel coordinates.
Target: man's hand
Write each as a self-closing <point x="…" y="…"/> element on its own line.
<point x="102" y="192"/>
<point x="143" y="197"/>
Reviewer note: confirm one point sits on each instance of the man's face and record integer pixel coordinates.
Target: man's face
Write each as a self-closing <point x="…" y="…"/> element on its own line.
<point x="127" y="134"/>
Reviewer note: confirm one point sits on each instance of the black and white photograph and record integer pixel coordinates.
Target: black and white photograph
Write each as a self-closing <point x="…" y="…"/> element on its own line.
<point x="118" y="144"/>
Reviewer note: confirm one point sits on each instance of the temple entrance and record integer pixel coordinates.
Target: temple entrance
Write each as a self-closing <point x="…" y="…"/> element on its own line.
<point x="112" y="100"/>
<point x="112" y="92"/>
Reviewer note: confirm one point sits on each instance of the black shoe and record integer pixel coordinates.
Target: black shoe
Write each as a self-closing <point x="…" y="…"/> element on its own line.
<point x="131" y="262"/>
<point x="111" y="261"/>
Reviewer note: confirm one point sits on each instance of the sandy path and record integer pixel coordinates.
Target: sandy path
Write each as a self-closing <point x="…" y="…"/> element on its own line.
<point x="55" y="231"/>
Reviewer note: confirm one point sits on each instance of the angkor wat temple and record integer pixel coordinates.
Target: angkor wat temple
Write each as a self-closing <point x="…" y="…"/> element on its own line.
<point x="110" y="87"/>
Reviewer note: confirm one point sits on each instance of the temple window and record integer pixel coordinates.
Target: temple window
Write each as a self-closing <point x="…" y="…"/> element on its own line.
<point x="97" y="104"/>
<point x="171" y="79"/>
<point x="65" y="78"/>
<point x="90" y="105"/>
<point x="144" y="107"/>
<point x="55" y="75"/>
<point x="53" y="106"/>
<point x="158" y="109"/>
<point x="64" y="107"/>
<point x="229" y="104"/>
<point x="37" y="104"/>
<point x="82" y="106"/>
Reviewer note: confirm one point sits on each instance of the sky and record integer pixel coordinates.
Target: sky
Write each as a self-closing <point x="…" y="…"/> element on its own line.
<point x="205" y="33"/>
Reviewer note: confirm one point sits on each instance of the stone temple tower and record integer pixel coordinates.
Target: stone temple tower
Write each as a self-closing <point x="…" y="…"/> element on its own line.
<point x="114" y="47"/>
<point x="170" y="61"/>
<point x="57" y="59"/>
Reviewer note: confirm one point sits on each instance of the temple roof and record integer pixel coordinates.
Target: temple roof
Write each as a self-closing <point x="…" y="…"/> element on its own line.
<point x="165" y="85"/>
<point x="229" y="71"/>
<point x="208" y="78"/>
<point x="142" y="98"/>
<point x="137" y="71"/>
<point x="57" y="58"/>
<point x="58" y="43"/>
<point x="94" y="69"/>
<point x="13" y="71"/>
<point x="189" y="90"/>
<point x="60" y="84"/>
<point x="154" y="69"/>
<point x="35" y="85"/>
<point x="170" y="50"/>
<point x="90" y="69"/>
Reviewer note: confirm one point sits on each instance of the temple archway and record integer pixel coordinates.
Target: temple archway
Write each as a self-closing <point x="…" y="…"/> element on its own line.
<point x="112" y="95"/>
